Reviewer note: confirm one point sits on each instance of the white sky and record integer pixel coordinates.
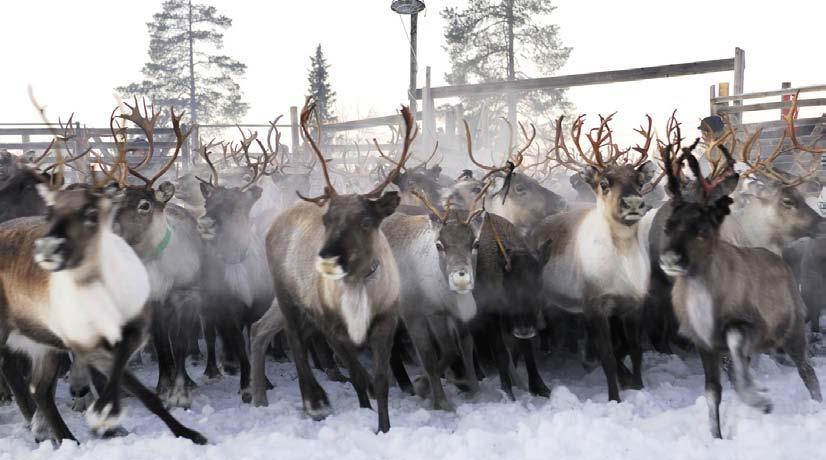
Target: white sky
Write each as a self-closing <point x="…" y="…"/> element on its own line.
<point x="75" y="52"/>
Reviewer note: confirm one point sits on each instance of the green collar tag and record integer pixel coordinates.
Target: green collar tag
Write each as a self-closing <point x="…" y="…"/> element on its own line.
<point x="164" y="242"/>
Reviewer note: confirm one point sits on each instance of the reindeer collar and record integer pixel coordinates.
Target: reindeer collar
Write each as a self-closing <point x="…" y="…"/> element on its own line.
<point x="167" y="237"/>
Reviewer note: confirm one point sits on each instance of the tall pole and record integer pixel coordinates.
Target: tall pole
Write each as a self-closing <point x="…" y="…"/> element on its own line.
<point x="511" y="97"/>
<point x="414" y="20"/>
<point x="193" y="115"/>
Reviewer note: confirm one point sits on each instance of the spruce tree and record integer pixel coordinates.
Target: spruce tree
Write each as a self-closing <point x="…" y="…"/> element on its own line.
<point x="494" y="40"/>
<point x="186" y="69"/>
<point x="319" y="85"/>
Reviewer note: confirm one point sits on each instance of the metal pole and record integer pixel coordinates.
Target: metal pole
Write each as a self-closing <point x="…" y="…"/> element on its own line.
<point x="414" y="20"/>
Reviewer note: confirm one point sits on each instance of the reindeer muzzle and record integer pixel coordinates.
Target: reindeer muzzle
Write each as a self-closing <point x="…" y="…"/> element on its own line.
<point x="50" y="253"/>
<point x="461" y="281"/>
<point x="632" y="208"/>
<point x="330" y="268"/>
<point x="670" y="264"/>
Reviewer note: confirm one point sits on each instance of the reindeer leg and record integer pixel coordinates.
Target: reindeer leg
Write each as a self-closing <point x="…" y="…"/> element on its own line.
<point x="80" y="385"/>
<point x="502" y="356"/>
<point x="14" y="367"/>
<point x="467" y="379"/>
<point x="631" y="325"/>
<point x="536" y="385"/>
<point x="313" y="395"/>
<point x="381" y="344"/>
<point x="429" y="358"/>
<point x="599" y="331"/>
<point x="183" y="305"/>
<point x="797" y="348"/>
<point x="345" y="350"/>
<point x="46" y="421"/>
<point x="711" y="368"/>
<point x="166" y="361"/>
<point x="105" y="413"/>
<point x="397" y="364"/>
<point x="233" y="337"/>
<point x="262" y="333"/>
<point x="211" y="371"/>
<point x="154" y="404"/>
<point x="740" y="349"/>
<point x="325" y="358"/>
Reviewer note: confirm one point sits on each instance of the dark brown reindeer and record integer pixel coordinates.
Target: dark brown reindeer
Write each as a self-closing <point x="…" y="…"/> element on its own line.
<point x="236" y="283"/>
<point x="598" y="264"/>
<point x="769" y="212"/>
<point x="69" y="283"/>
<point x="332" y="266"/>
<point x="730" y="299"/>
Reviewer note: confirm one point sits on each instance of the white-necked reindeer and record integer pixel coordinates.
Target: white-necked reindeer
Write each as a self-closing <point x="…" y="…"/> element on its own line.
<point x="598" y="263"/>
<point x="333" y="267"/>
<point x="69" y="283"/>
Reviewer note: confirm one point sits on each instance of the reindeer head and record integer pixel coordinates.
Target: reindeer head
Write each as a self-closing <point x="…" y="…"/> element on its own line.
<point x="522" y="283"/>
<point x="226" y="222"/>
<point x="617" y="183"/>
<point x="692" y="229"/>
<point x="7" y="166"/>
<point x="76" y="218"/>
<point x="351" y="222"/>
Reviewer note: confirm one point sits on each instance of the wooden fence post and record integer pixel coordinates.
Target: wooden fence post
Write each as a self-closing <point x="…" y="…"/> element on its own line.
<point x="428" y="112"/>
<point x="294" y="129"/>
<point x="785" y="98"/>
<point x="739" y="77"/>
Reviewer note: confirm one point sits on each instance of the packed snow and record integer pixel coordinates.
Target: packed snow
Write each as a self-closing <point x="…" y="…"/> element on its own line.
<point x="668" y="419"/>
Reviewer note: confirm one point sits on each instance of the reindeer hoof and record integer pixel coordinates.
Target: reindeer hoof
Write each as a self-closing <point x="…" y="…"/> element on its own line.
<point x="103" y="417"/>
<point x="246" y="395"/>
<point x="193" y="436"/>
<point x="40" y="428"/>
<point x="443" y="405"/>
<point x="335" y="375"/>
<point x="539" y="389"/>
<point x="421" y="385"/>
<point x="756" y="400"/>
<point x="116" y="432"/>
<point x="318" y="410"/>
<point x="259" y="399"/>
<point x="212" y="373"/>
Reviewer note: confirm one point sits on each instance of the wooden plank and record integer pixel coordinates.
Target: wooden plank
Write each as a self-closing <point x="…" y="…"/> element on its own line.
<point x="772" y="105"/>
<point x="739" y="75"/>
<point x="778" y="92"/>
<point x="751" y="127"/>
<point x="366" y="123"/>
<point x="585" y="79"/>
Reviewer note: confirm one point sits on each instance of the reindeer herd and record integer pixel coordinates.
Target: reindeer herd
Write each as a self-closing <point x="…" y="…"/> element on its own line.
<point x="460" y="276"/>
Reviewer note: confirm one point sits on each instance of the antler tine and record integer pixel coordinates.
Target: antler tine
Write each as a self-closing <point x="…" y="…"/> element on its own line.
<point x="469" y="142"/>
<point x="815" y="152"/>
<point x="384" y="155"/>
<point x="427" y="204"/>
<point x="205" y="155"/>
<point x="329" y="190"/>
<point x="648" y="134"/>
<point x="410" y="132"/>
<point x="528" y="142"/>
<point x="569" y="162"/>
<point x="117" y="172"/>
<point x="145" y="124"/>
<point x="180" y="138"/>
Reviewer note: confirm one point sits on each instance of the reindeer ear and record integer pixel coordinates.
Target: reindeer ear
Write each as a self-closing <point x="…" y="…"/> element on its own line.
<point x="646" y="172"/>
<point x="589" y="175"/>
<point x="206" y="189"/>
<point x="256" y="192"/>
<point x="387" y="204"/>
<point x="721" y="208"/>
<point x="165" y="192"/>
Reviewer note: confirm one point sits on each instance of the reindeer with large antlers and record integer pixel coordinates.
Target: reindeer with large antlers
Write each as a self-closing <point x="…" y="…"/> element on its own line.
<point x="332" y="267"/>
<point x="598" y="264"/>
<point x="727" y="298"/>
<point x="69" y="282"/>
<point x="165" y="238"/>
<point x="237" y="285"/>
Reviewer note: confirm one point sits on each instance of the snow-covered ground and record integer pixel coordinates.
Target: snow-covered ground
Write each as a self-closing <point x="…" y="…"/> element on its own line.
<point x="667" y="420"/>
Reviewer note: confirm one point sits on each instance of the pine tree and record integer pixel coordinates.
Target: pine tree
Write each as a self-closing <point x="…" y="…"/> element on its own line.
<point x="319" y="86"/>
<point x="185" y="68"/>
<point x="494" y="40"/>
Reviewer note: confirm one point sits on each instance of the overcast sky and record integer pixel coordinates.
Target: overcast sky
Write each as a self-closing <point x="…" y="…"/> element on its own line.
<point x="75" y="52"/>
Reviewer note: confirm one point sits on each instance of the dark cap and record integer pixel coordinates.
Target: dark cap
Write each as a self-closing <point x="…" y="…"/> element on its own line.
<point x="712" y="124"/>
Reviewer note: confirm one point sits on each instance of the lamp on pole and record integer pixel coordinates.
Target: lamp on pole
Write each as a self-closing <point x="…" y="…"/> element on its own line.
<point x="412" y="8"/>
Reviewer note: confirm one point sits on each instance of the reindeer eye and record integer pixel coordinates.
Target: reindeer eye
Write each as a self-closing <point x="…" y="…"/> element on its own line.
<point x="476" y="190"/>
<point x="476" y="245"/>
<point x="788" y="202"/>
<point x="519" y="188"/>
<point x="144" y="206"/>
<point x="90" y="217"/>
<point x="439" y="246"/>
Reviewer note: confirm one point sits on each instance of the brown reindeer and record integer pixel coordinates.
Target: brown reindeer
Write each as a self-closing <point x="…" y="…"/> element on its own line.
<point x="598" y="264"/>
<point x="69" y="283"/>
<point x="730" y="299"/>
<point x="332" y="266"/>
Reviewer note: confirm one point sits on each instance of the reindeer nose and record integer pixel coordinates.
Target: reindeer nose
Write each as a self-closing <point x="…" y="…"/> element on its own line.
<point x="633" y="202"/>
